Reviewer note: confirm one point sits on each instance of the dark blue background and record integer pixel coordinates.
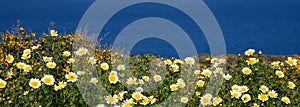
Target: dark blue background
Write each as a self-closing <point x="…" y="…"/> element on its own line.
<point x="269" y="25"/>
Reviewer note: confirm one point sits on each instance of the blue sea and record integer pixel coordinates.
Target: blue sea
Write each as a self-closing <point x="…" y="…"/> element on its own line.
<point x="272" y="26"/>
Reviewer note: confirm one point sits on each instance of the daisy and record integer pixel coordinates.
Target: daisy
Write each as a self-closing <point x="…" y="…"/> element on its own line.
<point x="71" y="60"/>
<point x="111" y="99"/>
<point x="81" y="51"/>
<point x="280" y="74"/>
<point x="152" y="99"/>
<point x="214" y="60"/>
<point x="9" y="58"/>
<point x="178" y="61"/>
<point x="264" y="89"/>
<point x="113" y="79"/>
<point x="246" y="98"/>
<point x="168" y="62"/>
<point x="71" y="77"/>
<point x="200" y="83"/>
<point x="104" y="66"/>
<point x="174" y="67"/>
<point x="174" y="87"/>
<point x="184" y="100"/>
<point x="236" y="87"/>
<point x="144" y="100"/>
<point x="227" y="77"/>
<point x="146" y="78"/>
<point x="92" y="60"/>
<point x="80" y="73"/>
<point x="275" y="64"/>
<point x="21" y="65"/>
<point x="291" y="85"/>
<point x="66" y="53"/>
<point x="206" y="99"/>
<point x="249" y="52"/>
<point x="286" y="100"/>
<point x="263" y="97"/>
<point x="140" y="82"/>
<point x="206" y="73"/>
<point x="137" y="95"/>
<point x="48" y="79"/>
<point x="47" y="59"/>
<point x="27" y="68"/>
<point x="244" y="89"/>
<point x="255" y="105"/>
<point x="181" y="84"/>
<point x="53" y="33"/>
<point x="197" y="72"/>
<point x="252" y="61"/>
<point x="246" y="71"/>
<point x="291" y="61"/>
<point x="24" y="57"/>
<point x="34" y="83"/>
<point x="131" y="81"/>
<point x="26" y="51"/>
<point x="94" y="80"/>
<point x="235" y="94"/>
<point x="157" y="78"/>
<point x="216" y="101"/>
<point x="121" y="67"/>
<point x="189" y="61"/>
<point x="51" y="65"/>
<point x="272" y="94"/>
<point x="127" y="103"/>
<point x="2" y="83"/>
<point x="62" y="84"/>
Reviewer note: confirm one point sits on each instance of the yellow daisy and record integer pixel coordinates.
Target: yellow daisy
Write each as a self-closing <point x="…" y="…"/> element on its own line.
<point x="62" y="84"/>
<point x="104" y="66"/>
<point x="236" y="87"/>
<point x="264" y="89"/>
<point x="152" y="99"/>
<point x="227" y="77"/>
<point x="94" y="80"/>
<point x="71" y="60"/>
<point x="206" y="73"/>
<point x="24" y="56"/>
<point x="53" y="33"/>
<point x="244" y="89"/>
<point x="263" y="97"/>
<point x="280" y="74"/>
<point x="137" y="95"/>
<point x="275" y="64"/>
<point x="255" y="105"/>
<point x="246" y="98"/>
<point x="71" y="77"/>
<point x="291" y="61"/>
<point x="9" y="58"/>
<point x="252" y="61"/>
<point x="81" y="51"/>
<point x="48" y="79"/>
<point x="286" y="100"/>
<point x="189" y="61"/>
<point x="168" y="62"/>
<point x="34" y="83"/>
<point x="291" y="85"/>
<point x="235" y="94"/>
<point x="249" y="52"/>
<point x="200" y="83"/>
<point x="157" y="78"/>
<point x="26" y="51"/>
<point x="144" y="100"/>
<point x="178" y="61"/>
<point x="121" y="67"/>
<point x="174" y="87"/>
<point x="21" y="65"/>
<point x="92" y="60"/>
<point x="206" y="99"/>
<point x="127" y="103"/>
<point x="2" y="83"/>
<point x="246" y="71"/>
<point x="51" y="65"/>
<point x="174" y="67"/>
<point x="146" y="78"/>
<point x="272" y="94"/>
<point x="27" y="68"/>
<point x="131" y="81"/>
<point x="47" y="59"/>
<point x="66" y="53"/>
<point x="113" y="79"/>
<point x="184" y="100"/>
<point x="111" y="99"/>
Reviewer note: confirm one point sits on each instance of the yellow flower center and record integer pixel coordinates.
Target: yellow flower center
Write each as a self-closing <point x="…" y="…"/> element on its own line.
<point x="2" y="85"/>
<point x="34" y="83"/>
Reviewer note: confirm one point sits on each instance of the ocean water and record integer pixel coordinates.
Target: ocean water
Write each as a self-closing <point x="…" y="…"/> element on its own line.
<point x="272" y="26"/>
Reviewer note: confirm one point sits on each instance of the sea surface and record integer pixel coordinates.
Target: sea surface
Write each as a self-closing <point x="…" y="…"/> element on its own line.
<point x="272" y="26"/>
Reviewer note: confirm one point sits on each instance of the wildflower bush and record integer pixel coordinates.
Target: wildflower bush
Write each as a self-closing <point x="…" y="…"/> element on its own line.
<point x="39" y="73"/>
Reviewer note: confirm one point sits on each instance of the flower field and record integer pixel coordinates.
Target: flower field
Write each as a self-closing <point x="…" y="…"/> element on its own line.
<point x="43" y="73"/>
